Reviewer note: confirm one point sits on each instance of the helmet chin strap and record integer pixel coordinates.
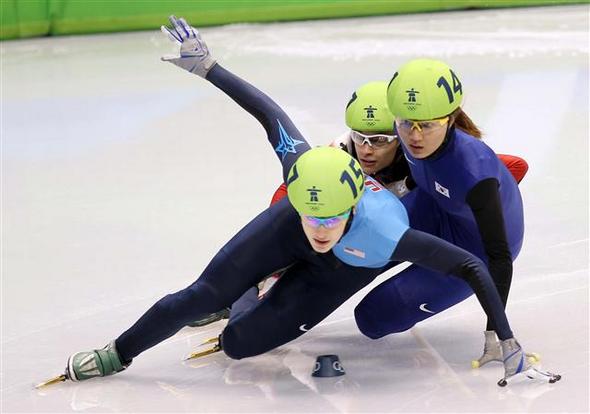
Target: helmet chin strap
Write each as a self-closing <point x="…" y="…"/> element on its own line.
<point x="348" y="222"/>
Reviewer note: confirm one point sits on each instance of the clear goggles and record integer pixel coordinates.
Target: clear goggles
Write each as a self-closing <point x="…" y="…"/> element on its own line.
<point x="327" y="222"/>
<point x="405" y="126"/>
<point x="374" y="140"/>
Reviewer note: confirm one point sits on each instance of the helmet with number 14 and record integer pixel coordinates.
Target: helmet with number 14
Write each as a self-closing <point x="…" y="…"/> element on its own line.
<point x="424" y="89"/>
<point x="424" y="96"/>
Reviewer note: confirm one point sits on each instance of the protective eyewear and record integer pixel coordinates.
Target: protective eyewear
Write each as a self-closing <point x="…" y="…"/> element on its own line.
<point x="327" y="222"/>
<point x="374" y="140"/>
<point x="405" y="126"/>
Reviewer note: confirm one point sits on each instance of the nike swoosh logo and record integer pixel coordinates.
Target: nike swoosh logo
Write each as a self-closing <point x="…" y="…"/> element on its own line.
<point x="303" y="328"/>
<point x="423" y="308"/>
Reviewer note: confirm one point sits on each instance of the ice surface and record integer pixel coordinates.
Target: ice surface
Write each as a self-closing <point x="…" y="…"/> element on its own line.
<point x="122" y="176"/>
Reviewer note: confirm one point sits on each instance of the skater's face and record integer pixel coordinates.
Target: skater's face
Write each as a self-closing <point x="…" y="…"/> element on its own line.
<point x="374" y="152"/>
<point x="422" y="138"/>
<point x="323" y="234"/>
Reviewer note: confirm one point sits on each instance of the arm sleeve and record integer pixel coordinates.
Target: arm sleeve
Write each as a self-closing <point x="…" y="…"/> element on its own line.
<point x="438" y="255"/>
<point x="284" y="137"/>
<point x="485" y="203"/>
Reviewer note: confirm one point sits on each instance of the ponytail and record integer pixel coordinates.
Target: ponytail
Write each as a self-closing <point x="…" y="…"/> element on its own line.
<point x="465" y="124"/>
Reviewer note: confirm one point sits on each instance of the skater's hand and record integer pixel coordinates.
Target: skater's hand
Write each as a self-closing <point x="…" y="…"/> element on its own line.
<point x="194" y="56"/>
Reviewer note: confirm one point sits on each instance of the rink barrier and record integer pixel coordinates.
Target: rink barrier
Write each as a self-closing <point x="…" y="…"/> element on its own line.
<point x="32" y="18"/>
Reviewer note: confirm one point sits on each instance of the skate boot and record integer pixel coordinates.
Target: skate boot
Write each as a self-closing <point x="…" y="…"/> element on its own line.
<point x="95" y="363"/>
<point x="209" y="318"/>
<point x="516" y="362"/>
<point x="493" y="352"/>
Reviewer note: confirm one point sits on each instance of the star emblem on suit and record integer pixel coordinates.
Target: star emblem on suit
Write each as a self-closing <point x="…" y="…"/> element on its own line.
<point x="286" y="143"/>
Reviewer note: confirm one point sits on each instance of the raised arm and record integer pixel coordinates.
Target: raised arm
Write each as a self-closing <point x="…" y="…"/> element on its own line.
<point x="196" y="58"/>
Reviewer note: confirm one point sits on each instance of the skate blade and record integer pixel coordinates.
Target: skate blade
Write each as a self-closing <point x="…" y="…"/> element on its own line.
<point x="60" y="378"/>
<point x="216" y="348"/>
<point x="200" y="354"/>
<point x="533" y="374"/>
<point x="214" y="340"/>
<point x="536" y="373"/>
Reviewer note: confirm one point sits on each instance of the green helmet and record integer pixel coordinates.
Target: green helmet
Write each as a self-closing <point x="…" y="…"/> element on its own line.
<point x="424" y="89"/>
<point x="367" y="110"/>
<point x="325" y="182"/>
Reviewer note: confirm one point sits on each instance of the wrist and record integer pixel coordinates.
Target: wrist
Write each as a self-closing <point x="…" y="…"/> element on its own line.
<point x="208" y="64"/>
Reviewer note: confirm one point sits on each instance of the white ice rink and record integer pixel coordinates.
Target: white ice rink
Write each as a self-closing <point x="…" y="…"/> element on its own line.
<point x="123" y="175"/>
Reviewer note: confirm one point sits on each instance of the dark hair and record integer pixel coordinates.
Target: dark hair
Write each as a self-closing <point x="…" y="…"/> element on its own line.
<point x="465" y="124"/>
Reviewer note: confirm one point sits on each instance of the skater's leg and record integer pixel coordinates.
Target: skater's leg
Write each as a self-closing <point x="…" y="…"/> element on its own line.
<point x="406" y="299"/>
<point x="246" y="302"/>
<point x="253" y="295"/>
<point x="231" y="272"/>
<point x="292" y="307"/>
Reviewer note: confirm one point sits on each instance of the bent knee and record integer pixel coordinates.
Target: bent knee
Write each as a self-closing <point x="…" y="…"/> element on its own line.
<point x="237" y="347"/>
<point x="373" y="325"/>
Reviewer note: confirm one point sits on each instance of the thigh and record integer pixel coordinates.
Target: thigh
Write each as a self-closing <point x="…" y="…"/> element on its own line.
<point x="301" y="299"/>
<point x="273" y="240"/>
<point x="267" y="243"/>
<point x="405" y="299"/>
